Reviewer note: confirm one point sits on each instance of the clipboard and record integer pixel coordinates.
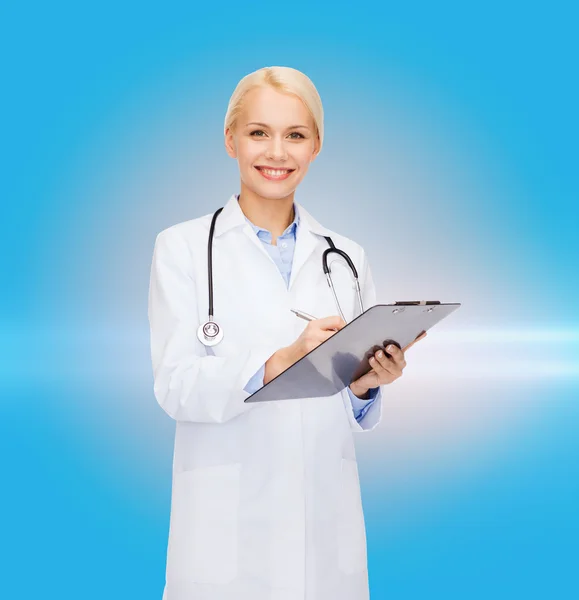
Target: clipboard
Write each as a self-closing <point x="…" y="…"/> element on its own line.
<point x="343" y="357"/>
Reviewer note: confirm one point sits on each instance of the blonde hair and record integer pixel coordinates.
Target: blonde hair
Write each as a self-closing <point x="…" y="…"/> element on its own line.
<point x="283" y="79"/>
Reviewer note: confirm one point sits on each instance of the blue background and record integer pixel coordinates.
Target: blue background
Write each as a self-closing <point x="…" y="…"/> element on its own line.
<point x="450" y="154"/>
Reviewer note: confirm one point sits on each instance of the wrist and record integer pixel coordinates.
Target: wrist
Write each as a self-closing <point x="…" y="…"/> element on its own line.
<point x="360" y="392"/>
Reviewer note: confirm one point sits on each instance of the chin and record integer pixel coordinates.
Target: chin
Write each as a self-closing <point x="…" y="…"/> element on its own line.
<point x="274" y="191"/>
<point x="276" y="195"/>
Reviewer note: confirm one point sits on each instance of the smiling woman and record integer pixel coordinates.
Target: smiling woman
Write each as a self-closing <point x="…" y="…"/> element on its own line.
<point x="284" y="141"/>
<point x="266" y="498"/>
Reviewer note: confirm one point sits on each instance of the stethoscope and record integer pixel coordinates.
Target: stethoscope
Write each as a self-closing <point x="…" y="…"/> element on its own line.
<point x="210" y="333"/>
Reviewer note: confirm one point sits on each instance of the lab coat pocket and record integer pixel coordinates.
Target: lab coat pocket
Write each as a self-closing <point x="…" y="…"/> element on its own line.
<point x="351" y="528"/>
<point x="204" y="519"/>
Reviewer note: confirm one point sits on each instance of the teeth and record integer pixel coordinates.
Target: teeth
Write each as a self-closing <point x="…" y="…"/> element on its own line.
<point x="276" y="173"/>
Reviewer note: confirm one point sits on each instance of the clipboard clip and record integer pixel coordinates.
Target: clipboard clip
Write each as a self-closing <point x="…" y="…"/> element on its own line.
<point x="415" y="302"/>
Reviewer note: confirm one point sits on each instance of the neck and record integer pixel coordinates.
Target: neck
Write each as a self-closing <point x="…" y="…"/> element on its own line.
<point x="275" y="214"/>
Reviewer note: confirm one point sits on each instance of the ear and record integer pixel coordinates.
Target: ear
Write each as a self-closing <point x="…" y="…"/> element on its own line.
<point x="316" y="149"/>
<point x="230" y="143"/>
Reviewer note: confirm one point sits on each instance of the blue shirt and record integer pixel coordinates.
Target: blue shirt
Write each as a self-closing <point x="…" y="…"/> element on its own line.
<point x="282" y="255"/>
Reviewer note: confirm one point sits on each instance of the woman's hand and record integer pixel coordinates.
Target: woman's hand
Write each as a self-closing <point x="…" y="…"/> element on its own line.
<point x="384" y="370"/>
<point x="316" y="332"/>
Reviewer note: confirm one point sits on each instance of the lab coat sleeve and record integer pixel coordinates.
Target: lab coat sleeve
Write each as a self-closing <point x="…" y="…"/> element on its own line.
<point x="372" y="415"/>
<point x="189" y="385"/>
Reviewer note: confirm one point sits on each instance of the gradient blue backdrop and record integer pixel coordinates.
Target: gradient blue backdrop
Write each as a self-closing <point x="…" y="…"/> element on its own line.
<point x="450" y="153"/>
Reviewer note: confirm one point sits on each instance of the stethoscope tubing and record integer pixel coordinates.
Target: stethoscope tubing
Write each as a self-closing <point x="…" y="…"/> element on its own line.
<point x="217" y="336"/>
<point x="210" y="261"/>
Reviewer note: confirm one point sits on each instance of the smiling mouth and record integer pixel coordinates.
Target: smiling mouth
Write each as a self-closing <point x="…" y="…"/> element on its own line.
<point x="275" y="174"/>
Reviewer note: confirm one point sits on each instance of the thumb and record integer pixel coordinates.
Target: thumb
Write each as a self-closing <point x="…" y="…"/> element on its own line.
<point x="422" y="335"/>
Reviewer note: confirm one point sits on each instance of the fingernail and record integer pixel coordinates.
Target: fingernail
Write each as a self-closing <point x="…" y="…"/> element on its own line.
<point x="380" y="354"/>
<point x="390" y="348"/>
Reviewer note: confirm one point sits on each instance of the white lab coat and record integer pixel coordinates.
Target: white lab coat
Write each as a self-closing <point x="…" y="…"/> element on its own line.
<point x="266" y="498"/>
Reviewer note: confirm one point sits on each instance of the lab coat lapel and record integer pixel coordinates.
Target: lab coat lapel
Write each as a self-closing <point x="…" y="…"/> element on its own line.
<point x="307" y="238"/>
<point x="306" y="241"/>
<point x="232" y="217"/>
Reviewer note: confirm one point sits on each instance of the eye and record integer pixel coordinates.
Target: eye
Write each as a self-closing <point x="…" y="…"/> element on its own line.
<point x="256" y="131"/>
<point x="297" y="133"/>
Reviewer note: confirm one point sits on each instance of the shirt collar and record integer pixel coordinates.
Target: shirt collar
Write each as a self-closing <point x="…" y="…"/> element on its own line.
<point x="292" y="227"/>
<point x="232" y="216"/>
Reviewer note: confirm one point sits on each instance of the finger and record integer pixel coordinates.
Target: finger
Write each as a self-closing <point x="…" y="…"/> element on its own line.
<point x="324" y="334"/>
<point x="377" y="367"/>
<point x="384" y="371"/>
<point x="421" y="336"/>
<point x="383" y="363"/>
<point x="333" y="322"/>
<point x="397" y="356"/>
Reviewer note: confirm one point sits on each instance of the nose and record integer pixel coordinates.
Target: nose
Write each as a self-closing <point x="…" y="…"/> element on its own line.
<point x="276" y="149"/>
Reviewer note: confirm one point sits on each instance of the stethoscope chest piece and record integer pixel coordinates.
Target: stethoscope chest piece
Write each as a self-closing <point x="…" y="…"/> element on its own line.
<point x="209" y="333"/>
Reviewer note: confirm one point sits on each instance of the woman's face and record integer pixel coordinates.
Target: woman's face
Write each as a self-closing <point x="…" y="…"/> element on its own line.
<point x="273" y="142"/>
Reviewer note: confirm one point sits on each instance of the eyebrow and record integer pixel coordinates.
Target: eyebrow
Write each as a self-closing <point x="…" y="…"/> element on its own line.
<point x="290" y="127"/>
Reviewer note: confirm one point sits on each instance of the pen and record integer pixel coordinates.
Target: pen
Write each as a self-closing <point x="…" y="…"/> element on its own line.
<point x="303" y="315"/>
